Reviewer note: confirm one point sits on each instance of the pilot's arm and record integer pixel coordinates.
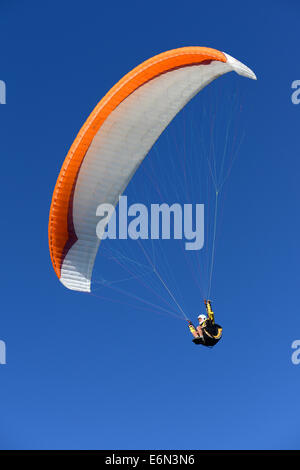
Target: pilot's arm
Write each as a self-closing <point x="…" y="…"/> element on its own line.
<point x="210" y="313"/>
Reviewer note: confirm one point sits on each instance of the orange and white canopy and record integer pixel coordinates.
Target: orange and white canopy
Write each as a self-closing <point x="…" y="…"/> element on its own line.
<point x="113" y="142"/>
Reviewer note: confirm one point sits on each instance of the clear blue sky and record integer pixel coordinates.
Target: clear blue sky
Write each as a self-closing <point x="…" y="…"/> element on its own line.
<point x="86" y="373"/>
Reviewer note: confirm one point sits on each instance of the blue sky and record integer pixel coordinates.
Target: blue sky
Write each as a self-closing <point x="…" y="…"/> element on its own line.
<point x="88" y="373"/>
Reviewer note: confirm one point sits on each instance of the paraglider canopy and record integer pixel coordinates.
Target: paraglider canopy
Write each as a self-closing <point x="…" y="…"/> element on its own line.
<point x="112" y="144"/>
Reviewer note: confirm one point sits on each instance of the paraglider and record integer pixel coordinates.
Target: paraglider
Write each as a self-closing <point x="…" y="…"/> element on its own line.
<point x="112" y="144"/>
<point x="207" y="333"/>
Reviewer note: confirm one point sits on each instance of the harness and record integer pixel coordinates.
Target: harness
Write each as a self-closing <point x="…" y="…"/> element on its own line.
<point x="217" y="336"/>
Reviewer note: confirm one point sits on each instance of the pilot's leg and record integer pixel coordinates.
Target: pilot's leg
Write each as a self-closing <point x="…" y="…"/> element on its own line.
<point x="199" y="331"/>
<point x="193" y="331"/>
